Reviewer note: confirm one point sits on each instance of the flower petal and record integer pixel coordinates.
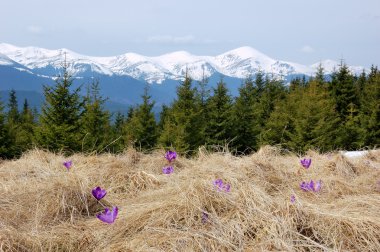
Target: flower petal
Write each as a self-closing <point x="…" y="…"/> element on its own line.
<point x="108" y="216"/>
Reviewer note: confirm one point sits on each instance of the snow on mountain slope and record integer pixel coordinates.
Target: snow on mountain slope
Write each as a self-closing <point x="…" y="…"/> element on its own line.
<point x="177" y="63"/>
<point x="5" y="60"/>
<point x="39" y="58"/>
<point x="329" y="66"/>
<point x="239" y="63"/>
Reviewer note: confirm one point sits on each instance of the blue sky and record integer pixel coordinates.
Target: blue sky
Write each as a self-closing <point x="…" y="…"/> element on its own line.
<point x="303" y="31"/>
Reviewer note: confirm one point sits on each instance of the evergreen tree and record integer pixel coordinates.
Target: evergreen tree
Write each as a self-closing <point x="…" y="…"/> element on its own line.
<point x="13" y="125"/>
<point x="25" y="136"/>
<point x="95" y="121"/>
<point x="5" y="143"/>
<point x="219" y="124"/>
<point x="130" y="113"/>
<point x="370" y="109"/>
<point x="182" y="129"/>
<point x="295" y="84"/>
<point x="320" y="75"/>
<point x="202" y="95"/>
<point x="163" y="116"/>
<point x="304" y="119"/>
<point x="13" y="113"/>
<point x="260" y="83"/>
<point x="274" y="91"/>
<point x="119" y="124"/>
<point x="360" y="84"/>
<point x="142" y="128"/>
<point x="60" y="120"/>
<point x="351" y="133"/>
<point x="244" y="116"/>
<point x="343" y="90"/>
<point x="315" y="123"/>
<point x="118" y="132"/>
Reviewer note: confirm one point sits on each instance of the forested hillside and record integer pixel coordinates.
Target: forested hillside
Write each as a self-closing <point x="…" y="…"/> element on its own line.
<point x="339" y="113"/>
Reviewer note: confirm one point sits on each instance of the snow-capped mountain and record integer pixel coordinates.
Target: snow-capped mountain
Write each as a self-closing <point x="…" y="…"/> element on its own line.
<point x="237" y="63"/>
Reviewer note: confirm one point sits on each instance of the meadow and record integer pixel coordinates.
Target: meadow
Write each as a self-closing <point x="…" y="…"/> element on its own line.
<point x="46" y="207"/>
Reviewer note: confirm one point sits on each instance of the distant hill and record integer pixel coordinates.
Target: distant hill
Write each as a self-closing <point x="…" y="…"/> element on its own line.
<point x="122" y="78"/>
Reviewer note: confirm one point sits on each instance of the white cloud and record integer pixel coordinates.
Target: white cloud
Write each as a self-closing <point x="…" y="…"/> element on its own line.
<point x="34" y="29"/>
<point x="307" y="49"/>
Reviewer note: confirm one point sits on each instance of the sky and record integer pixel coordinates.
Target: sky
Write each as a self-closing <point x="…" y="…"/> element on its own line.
<point x="302" y="31"/>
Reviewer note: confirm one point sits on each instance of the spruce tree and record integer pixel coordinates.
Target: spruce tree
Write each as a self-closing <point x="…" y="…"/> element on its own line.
<point x="370" y="109"/>
<point x="61" y="113"/>
<point x="163" y="116"/>
<point x="219" y="123"/>
<point x="142" y="127"/>
<point x="320" y="75"/>
<point x="272" y="94"/>
<point x="118" y="133"/>
<point x="360" y="83"/>
<point x="315" y="123"/>
<point x="182" y="130"/>
<point x="352" y="134"/>
<point x="244" y="116"/>
<point x="95" y="121"/>
<point x="5" y="143"/>
<point x="258" y="108"/>
<point x="343" y="90"/>
<point x="202" y="95"/>
<point x="304" y="119"/>
<point x="13" y="113"/>
<point x="25" y="135"/>
<point x="13" y="125"/>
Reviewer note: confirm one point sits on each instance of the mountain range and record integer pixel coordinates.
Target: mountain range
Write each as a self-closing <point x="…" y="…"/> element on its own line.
<point x="123" y="77"/>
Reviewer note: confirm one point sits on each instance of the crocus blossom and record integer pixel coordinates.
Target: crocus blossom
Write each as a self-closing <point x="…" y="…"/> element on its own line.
<point x="68" y="164"/>
<point x="204" y="217"/>
<point x="306" y="163"/>
<point x="218" y="183"/>
<point x="168" y="170"/>
<point x="171" y="155"/>
<point x="226" y="187"/>
<point x="311" y="186"/>
<point x="317" y="186"/>
<point x="99" y="193"/>
<point x="222" y="186"/>
<point x="292" y="198"/>
<point x="108" y="216"/>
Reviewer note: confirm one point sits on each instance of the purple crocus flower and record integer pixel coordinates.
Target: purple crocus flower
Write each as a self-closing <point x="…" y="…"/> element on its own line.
<point x="108" y="216"/>
<point x="317" y="186"/>
<point x="304" y="186"/>
<point x="168" y="170"/>
<point x="292" y="199"/>
<point x="68" y="164"/>
<point x="171" y="155"/>
<point x="204" y="217"/>
<point x="306" y="163"/>
<point x="226" y="187"/>
<point x="311" y="186"/>
<point x="221" y="186"/>
<point x="218" y="183"/>
<point x="98" y="193"/>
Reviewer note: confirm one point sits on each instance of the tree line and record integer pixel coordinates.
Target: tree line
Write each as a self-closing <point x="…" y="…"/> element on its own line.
<point x="341" y="112"/>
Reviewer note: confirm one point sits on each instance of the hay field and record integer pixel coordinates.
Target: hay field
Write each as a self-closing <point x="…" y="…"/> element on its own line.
<point x="44" y="207"/>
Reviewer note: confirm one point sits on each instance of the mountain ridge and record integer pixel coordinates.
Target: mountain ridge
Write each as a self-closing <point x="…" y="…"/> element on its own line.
<point x="238" y="63"/>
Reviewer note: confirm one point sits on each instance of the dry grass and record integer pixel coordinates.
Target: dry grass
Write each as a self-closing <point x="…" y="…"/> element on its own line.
<point x="45" y="208"/>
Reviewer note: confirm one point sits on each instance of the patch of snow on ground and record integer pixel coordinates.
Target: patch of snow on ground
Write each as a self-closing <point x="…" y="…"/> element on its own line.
<point x="354" y="154"/>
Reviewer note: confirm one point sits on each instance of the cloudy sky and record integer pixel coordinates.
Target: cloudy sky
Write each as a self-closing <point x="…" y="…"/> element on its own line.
<point x="303" y="31"/>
